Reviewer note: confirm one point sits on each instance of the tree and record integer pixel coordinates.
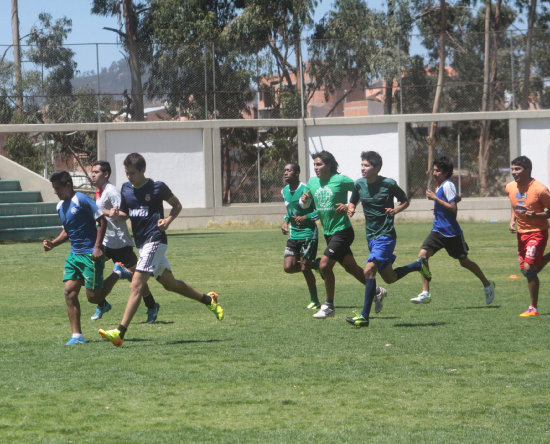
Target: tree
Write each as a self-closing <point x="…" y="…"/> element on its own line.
<point x="134" y="39"/>
<point x="17" y="55"/>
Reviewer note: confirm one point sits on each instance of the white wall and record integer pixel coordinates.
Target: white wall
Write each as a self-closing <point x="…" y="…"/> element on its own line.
<point x="346" y="143"/>
<point x="534" y="136"/>
<point x="175" y="157"/>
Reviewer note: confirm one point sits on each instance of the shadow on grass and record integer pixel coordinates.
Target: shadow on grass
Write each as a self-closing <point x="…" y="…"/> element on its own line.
<point x="421" y="324"/>
<point x="194" y="234"/>
<point x="477" y="307"/>
<point x="156" y="322"/>
<point x="193" y="341"/>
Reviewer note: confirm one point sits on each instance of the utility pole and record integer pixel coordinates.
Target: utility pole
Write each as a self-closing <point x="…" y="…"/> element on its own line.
<point x="17" y="56"/>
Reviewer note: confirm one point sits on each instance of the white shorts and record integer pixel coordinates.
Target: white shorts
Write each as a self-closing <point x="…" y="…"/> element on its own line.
<point x="152" y="259"/>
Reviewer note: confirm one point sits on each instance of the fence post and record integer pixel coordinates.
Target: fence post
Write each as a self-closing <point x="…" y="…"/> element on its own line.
<point x="459" y="164"/>
<point x="215" y="110"/>
<point x="98" y="86"/>
<point x="259" y="177"/>
<point x="399" y="74"/>
<point x="512" y="69"/>
<point x="205" y="82"/>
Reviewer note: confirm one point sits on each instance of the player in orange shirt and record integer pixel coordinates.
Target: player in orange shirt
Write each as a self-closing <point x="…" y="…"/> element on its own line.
<point x="529" y="198"/>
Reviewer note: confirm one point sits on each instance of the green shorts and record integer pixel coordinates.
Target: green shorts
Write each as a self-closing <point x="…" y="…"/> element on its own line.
<point x="81" y="267"/>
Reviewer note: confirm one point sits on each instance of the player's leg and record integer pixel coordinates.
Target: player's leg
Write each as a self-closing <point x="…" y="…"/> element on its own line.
<point x="362" y="320"/>
<point x="71" y="290"/>
<point x="326" y="265"/>
<point x="531" y="252"/>
<point x="308" y="251"/>
<point x="431" y="245"/>
<point x="291" y="256"/>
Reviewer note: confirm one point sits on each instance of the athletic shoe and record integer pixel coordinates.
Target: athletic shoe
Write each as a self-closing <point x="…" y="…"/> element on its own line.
<point x="378" y="298"/>
<point x="74" y="341"/>
<point x="122" y="271"/>
<point x="424" y="270"/>
<point x="214" y="306"/>
<point x="112" y="335"/>
<point x="531" y="311"/>
<point x="324" y="312"/>
<point x="315" y="267"/>
<point x="490" y="292"/>
<point x="99" y="312"/>
<point x="152" y="313"/>
<point x="313" y="306"/>
<point x="422" y="298"/>
<point x="359" y="321"/>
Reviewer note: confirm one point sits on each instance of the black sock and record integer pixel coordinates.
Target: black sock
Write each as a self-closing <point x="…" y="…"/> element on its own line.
<point x="122" y="329"/>
<point x="103" y="303"/>
<point x="149" y="301"/>
<point x="206" y="300"/>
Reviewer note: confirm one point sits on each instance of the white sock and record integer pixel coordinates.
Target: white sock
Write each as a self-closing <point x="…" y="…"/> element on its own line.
<point x="77" y="335"/>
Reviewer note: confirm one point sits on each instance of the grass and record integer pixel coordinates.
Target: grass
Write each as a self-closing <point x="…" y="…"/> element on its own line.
<point x="455" y="370"/>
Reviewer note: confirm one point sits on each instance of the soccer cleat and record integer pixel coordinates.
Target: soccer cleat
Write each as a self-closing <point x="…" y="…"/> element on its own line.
<point x="214" y="306"/>
<point x="531" y="311"/>
<point x="99" y="312"/>
<point x="112" y="335"/>
<point x="378" y="298"/>
<point x="74" y="341"/>
<point x="358" y="321"/>
<point x="324" y="312"/>
<point x="152" y="313"/>
<point x="490" y="292"/>
<point x="122" y="271"/>
<point x="313" y="306"/>
<point x="424" y="269"/>
<point x="422" y="298"/>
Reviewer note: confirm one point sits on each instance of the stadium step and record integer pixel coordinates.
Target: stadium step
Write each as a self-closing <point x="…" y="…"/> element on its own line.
<point x="23" y="215"/>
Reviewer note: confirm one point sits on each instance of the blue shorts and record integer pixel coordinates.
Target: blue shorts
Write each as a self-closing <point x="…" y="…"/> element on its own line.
<point x="381" y="251"/>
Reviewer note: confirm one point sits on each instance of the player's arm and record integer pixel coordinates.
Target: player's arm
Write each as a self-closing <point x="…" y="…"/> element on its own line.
<point x="101" y="228"/>
<point x="284" y="226"/>
<point x="401" y="207"/>
<point x="451" y="206"/>
<point x="512" y="225"/>
<point x="175" y="203"/>
<point x="50" y="244"/>
<point x="353" y="199"/>
<point x="305" y="199"/>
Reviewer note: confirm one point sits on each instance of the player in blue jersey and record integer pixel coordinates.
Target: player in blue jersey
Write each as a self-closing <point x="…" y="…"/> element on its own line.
<point x="143" y="202"/>
<point x="301" y="246"/>
<point x="85" y="262"/>
<point x="446" y="232"/>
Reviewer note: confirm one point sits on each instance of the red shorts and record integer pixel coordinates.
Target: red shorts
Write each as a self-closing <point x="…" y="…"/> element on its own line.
<point x="531" y="247"/>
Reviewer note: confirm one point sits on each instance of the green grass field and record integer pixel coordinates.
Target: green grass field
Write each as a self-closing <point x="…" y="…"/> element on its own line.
<point x="454" y="370"/>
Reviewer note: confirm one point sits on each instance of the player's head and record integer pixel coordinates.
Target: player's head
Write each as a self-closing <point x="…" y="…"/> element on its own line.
<point x="521" y="167"/>
<point x="373" y="159"/>
<point x="324" y="164"/>
<point x="101" y="171"/>
<point x="444" y="166"/>
<point x="134" y="165"/>
<point x="291" y="172"/>
<point x="62" y="184"/>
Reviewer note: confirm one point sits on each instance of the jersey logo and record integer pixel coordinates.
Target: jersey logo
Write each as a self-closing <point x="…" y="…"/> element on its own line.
<point x="139" y="212"/>
<point x="324" y="197"/>
<point x="74" y="210"/>
<point x="147" y="197"/>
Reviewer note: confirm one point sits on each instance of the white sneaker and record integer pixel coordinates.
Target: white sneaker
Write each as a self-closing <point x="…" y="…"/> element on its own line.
<point x="378" y="298"/>
<point x="422" y="298"/>
<point x="489" y="292"/>
<point x="324" y="312"/>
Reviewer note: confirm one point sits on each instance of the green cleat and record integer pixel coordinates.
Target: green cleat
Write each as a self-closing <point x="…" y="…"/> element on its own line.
<point x="112" y="335"/>
<point x="313" y="306"/>
<point x="424" y="270"/>
<point x="358" y="321"/>
<point x="214" y="306"/>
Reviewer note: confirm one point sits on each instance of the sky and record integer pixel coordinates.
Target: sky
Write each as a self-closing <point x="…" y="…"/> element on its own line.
<point x="87" y="29"/>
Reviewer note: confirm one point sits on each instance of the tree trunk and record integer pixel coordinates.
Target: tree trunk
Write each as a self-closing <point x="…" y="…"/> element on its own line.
<point x="130" y="24"/>
<point x="388" y="96"/>
<point x="438" y="89"/>
<point x="17" y="56"/>
<point x="527" y="67"/>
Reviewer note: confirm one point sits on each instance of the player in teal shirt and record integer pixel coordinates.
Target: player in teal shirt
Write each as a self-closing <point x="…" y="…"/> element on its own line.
<point x="377" y="194"/>
<point x="301" y="247"/>
<point x="329" y="191"/>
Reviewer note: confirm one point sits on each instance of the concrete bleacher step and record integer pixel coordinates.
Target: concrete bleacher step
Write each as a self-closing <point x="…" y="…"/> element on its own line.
<point x="20" y="196"/>
<point x="27" y="208"/>
<point x="29" y="233"/>
<point x="29" y="221"/>
<point x="10" y="185"/>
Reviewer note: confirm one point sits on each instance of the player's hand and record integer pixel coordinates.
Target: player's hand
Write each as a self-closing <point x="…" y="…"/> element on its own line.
<point x="390" y="212"/>
<point x="97" y="254"/>
<point x="47" y="244"/>
<point x="306" y="197"/>
<point x="430" y="194"/>
<point x="512" y="228"/>
<point x="284" y="227"/>
<point x="113" y="212"/>
<point x="530" y="213"/>
<point x="299" y="220"/>
<point x="162" y="224"/>
<point x="341" y="208"/>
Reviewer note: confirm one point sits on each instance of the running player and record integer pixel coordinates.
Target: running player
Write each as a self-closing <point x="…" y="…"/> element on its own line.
<point x="301" y="246"/>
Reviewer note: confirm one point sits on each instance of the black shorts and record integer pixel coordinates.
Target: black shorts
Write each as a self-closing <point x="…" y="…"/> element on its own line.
<point x="339" y="243"/>
<point x="456" y="246"/>
<point x="306" y="248"/>
<point x="125" y="255"/>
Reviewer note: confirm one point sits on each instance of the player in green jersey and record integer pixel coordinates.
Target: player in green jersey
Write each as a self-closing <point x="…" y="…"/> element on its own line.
<point x="329" y="191"/>
<point x="377" y="194"/>
<point x="301" y="246"/>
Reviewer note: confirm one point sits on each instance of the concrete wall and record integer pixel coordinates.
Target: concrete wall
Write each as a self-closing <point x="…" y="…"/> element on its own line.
<point x="29" y="180"/>
<point x="187" y="156"/>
